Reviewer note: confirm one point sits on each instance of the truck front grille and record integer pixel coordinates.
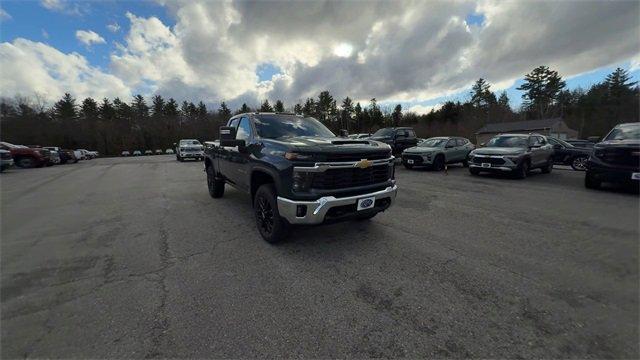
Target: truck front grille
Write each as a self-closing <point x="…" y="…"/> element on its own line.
<point x="357" y="156"/>
<point x="351" y="177"/>
<point x="624" y="157"/>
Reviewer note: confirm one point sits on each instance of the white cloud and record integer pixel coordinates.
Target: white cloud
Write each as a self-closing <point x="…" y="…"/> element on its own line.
<point x="52" y="4"/>
<point x="88" y="37"/>
<point x="66" y="7"/>
<point x="4" y="16"/>
<point x="28" y="67"/>
<point x="424" y="109"/>
<point x="113" y="27"/>
<point x="403" y="51"/>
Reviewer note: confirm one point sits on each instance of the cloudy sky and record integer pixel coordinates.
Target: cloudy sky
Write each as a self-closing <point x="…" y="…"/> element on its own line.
<point x="418" y="53"/>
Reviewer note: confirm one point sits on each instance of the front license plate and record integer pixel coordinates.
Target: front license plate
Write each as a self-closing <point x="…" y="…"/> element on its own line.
<point x="409" y="161"/>
<point x="366" y="203"/>
<point x="486" y="165"/>
<point x="635" y="176"/>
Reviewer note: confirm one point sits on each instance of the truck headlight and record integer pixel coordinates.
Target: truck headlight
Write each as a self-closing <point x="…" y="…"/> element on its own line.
<point x="302" y="180"/>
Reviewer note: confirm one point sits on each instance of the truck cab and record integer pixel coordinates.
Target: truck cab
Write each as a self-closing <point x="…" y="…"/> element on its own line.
<point x="398" y="138"/>
<point x="296" y="171"/>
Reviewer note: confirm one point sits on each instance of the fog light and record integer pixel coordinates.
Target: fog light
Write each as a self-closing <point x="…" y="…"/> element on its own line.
<point x="301" y="210"/>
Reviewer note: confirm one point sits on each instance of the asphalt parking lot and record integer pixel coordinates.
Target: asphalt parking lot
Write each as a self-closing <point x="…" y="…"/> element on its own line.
<point x="130" y="257"/>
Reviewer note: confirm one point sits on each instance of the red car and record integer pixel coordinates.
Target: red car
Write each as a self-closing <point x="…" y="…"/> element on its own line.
<point x="26" y="157"/>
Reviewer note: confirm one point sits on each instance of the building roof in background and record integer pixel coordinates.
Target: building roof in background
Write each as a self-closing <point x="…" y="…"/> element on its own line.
<point x="529" y="125"/>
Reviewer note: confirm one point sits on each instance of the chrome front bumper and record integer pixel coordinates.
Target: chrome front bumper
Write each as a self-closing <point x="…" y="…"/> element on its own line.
<point x="317" y="210"/>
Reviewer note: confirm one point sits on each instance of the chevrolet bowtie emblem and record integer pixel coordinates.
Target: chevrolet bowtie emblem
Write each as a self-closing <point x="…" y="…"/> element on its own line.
<point x="363" y="164"/>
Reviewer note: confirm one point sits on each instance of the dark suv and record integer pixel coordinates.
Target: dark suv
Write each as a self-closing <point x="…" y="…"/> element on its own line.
<point x="615" y="159"/>
<point x="399" y="138"/>
<point x="298" y="172"/>
<point x="513" y="153"/>
<point x="565" y="153"/>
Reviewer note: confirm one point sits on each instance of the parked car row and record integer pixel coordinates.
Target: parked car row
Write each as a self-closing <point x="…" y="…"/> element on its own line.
<point x="146" y="152"/>
<point x="615" y="159"/>
<point x="38" y="156"/>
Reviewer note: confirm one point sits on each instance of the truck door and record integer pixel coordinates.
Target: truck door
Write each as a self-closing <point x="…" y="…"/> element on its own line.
<point x="237" y="170"/>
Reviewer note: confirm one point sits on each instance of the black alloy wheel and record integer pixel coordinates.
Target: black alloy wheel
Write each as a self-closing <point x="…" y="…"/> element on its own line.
<point x="579" y="163"/>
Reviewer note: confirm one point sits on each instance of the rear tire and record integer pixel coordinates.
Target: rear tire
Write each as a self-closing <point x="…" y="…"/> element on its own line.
<point x="590" y="182"/>
<point x="26" y="162"/>
<point x="271" y="226"/>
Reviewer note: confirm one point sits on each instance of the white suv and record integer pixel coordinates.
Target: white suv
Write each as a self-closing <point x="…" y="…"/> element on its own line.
<point x="189" y="149"/>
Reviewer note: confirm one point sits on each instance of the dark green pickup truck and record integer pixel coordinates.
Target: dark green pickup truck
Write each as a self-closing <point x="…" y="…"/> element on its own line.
<point x="298" y="172"/>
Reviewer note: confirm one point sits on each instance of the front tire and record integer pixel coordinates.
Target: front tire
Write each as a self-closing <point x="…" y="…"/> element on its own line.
<point x="522" y="171"/>
<point x="271" y="226"/>
<point x="474" y="171"/>
<point x="591" y="182"/>
<point x="465" y="163"/>
<point x="438" y="163"/>
<point x="579" y="163"/>
<point x="214" y="184"/>
<point x="548" y="168"/>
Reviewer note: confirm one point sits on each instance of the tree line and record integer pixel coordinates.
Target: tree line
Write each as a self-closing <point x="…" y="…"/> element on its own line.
<point x="111" y="126"/>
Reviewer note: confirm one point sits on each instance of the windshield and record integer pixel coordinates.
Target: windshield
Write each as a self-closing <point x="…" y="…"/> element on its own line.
<point x="386" y="132"/>
<point x="433" y="142"/>
<point x="189" y="142"/>
<point x="274" y="127"/>
<point x="625" y="132"/>
<point x="508" y="141"/>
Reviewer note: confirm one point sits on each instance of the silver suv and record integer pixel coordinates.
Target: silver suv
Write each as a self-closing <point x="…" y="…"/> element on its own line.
<point x="435" y="152"/>
<point x="513" y="153"/>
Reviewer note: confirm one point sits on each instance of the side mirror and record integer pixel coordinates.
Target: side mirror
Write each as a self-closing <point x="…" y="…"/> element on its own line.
<point x="594" y="139"/>
<point x="557" y="147"/>
<point x="228" y="137"/>
<point x="481" y="144"/>
<point x="343" y="133"/>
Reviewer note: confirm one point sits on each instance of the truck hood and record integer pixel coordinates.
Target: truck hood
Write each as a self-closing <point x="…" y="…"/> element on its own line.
<point x="331" y="144"/>
<point x="619" y="143"/>
<point x="498" y="151"/>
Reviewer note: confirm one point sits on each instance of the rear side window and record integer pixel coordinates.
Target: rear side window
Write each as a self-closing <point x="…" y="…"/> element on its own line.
<point x="452" y="142"/>
<point x="411" y="133"/>
<point x="461" y="142"/>
<point x="234" y="123"/>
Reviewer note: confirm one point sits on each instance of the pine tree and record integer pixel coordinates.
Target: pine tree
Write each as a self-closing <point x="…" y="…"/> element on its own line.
<point x="619" y="84"/>
<point x="397" y="115"/>
<point x="297" y="109"/>
<point x="266" y="107"/>
<point x="541" y="88"/>
<point x="279" y="107"/>
<point x="309" y="108"/>
<point x="503" y="101"/>
<point x="324" y="106"/>
<point x="224" y="111"/>
<point x="481" y="95"/>
<point x="66" y="108"/>
<point x="243" y="109"/>
<point x="157" y="108"/>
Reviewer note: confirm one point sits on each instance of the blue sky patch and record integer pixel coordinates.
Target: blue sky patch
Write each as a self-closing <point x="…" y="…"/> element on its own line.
<point x="475" y="19"/>
<point x="266" y="71"/>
